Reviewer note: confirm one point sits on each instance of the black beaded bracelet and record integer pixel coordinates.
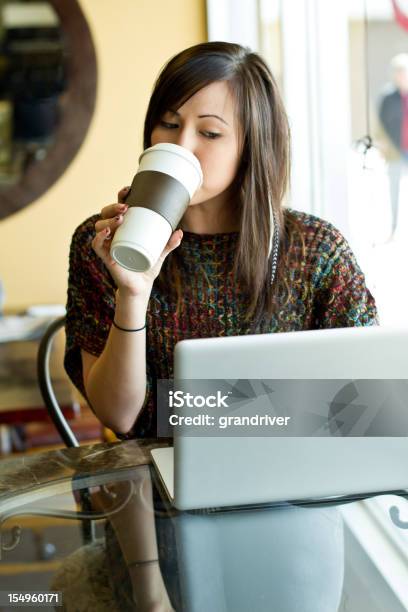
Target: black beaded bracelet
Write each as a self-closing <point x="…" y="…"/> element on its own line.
<point x="127" y="330"/>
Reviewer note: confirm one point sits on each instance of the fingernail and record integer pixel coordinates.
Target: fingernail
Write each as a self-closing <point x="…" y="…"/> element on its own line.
<point x="118" y="217"/>
<point x="107" y="231"/>
<point x="127" y="189"/>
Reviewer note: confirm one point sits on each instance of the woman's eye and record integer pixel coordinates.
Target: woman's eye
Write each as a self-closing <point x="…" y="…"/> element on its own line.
<point x="211" y="135"/>
<point x="169" y="126"/>
<point x="172" y="126"/>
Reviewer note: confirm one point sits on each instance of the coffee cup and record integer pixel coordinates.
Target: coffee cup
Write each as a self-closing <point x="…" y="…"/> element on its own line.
<point x="166" y="180"/>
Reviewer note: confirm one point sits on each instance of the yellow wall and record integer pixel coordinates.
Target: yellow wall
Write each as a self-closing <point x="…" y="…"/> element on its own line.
<point x="133" y="39"/>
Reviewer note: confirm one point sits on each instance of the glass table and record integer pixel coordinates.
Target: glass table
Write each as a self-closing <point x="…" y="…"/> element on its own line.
<point x="93" y="525"/>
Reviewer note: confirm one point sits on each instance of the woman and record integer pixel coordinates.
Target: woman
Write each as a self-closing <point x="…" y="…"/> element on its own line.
<point x="217" y="275"/>
<point x="239" y="263"/>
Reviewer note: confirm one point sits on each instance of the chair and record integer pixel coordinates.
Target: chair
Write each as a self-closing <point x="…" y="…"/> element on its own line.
<point x="44" y="381"/>
<point x="57" y="416"/>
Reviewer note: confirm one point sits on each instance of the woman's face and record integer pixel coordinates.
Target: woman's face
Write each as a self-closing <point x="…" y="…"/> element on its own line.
<point x="206" y="125"/>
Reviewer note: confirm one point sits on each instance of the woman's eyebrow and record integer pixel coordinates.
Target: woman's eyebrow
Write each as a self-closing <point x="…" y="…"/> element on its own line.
<point x="199" y="116"/>
<point x="216" y="116"/>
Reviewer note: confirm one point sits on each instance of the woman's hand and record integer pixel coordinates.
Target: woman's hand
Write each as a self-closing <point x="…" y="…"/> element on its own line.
<point x="128" y="282"/>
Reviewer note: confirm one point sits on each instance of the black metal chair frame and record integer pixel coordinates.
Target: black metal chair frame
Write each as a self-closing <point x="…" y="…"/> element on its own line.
<point x="57" y="416"/>
<point x="44" y="380"/>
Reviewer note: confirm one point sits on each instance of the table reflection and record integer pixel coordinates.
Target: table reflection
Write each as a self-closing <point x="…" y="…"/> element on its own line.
<point x="145" y="555"/>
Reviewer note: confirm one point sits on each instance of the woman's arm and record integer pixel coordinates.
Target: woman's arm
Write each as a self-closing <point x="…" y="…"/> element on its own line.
<point x="108" y="364"/>
<point x="135" y="530"/>
<point x="115" y="382"/>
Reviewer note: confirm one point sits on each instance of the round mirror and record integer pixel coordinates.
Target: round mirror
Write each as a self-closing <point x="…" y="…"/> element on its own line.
<point x="47" y="95"/>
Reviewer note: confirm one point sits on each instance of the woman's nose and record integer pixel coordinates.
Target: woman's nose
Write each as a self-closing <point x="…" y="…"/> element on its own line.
<point x="186" y="140"/>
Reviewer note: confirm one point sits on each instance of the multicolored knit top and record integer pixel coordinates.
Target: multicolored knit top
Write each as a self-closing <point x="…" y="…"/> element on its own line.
<point x="327" y="289"/>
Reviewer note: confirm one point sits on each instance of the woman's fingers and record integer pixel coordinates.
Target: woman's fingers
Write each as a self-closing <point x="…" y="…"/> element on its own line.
<point x="173" y="243"/>
<point x="122" y="193"/>
<point x="113" y="223"/>
<point x="112" y="210"/>
<point x="101" y="244"/>
<point x="175" y="240"/>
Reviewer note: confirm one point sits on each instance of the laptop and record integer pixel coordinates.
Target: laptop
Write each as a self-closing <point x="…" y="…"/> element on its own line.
<point x="219" y="471"/>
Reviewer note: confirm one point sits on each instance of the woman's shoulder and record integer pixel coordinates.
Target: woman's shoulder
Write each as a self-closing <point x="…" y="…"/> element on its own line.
<point x="314" y="232"/>
<point x="310" y="223"/>
<point x="84" y="263"/>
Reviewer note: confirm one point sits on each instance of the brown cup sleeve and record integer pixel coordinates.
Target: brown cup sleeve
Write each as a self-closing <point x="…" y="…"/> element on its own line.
<point x="159" y="192"/>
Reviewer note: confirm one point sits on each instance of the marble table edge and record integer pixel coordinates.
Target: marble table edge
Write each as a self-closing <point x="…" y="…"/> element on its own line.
<point x="30" y="472"/>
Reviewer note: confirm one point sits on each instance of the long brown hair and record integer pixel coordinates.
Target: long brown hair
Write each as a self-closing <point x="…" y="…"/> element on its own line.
<point x="263" y="174"/>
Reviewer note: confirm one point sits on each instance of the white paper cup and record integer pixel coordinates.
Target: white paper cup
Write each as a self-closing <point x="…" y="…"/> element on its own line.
<point x="167" y="178"/>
